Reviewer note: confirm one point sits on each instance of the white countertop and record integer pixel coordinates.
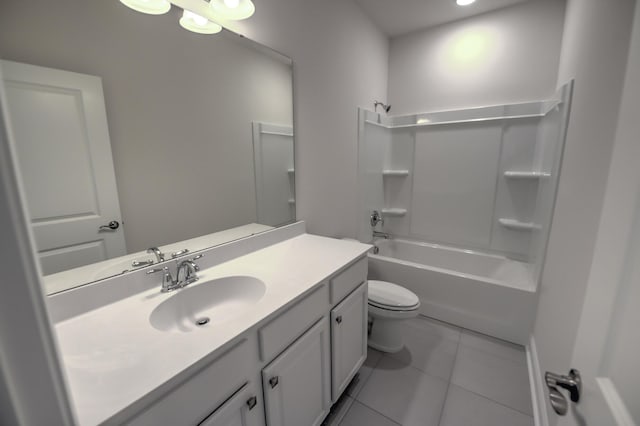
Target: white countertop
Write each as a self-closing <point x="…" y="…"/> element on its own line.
<point x="113" y="356"/>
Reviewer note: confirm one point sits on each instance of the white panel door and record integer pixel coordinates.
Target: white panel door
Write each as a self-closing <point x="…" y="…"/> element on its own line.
<point x="607" y="345"/>
<point x="59" y="125"/>
<point x="242" y="409"/>
<point x="297" y="383"/>
<point x="348" y="339"/>
<point x="275" y="175"/>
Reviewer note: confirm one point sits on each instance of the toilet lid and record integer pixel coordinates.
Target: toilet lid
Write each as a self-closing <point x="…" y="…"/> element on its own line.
<point x="384" y="294"/>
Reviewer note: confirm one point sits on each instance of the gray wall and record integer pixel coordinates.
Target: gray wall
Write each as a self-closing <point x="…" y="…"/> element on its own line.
<point x="340" y="63"/>
<point x="507" y="56"/>
<point x="179" y="107"/>
<point x="594" y="53"/>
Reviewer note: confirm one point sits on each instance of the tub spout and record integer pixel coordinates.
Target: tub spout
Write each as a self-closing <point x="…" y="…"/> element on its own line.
<point x="384" y="235"/>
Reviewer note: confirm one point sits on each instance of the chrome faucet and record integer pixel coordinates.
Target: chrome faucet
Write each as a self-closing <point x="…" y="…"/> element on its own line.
<point x="384" y="235"/>
<point x="189" y="275"/>
<point x="157" y="252"/>
<point x="186" y="273"/>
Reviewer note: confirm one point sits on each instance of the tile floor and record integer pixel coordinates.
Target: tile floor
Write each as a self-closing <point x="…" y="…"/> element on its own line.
<point x="445" y="376"/>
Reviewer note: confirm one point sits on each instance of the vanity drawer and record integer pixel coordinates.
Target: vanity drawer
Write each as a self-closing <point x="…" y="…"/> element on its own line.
<point x="286" y="328"/>
<point x="348" y="280"/>
<point x="203" y="392"/>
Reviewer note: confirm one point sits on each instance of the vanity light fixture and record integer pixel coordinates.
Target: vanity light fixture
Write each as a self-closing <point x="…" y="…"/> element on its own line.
<point x="234" y="10"/>
<point x="198" y="24"/>
<point x="151" y="7"/>
<point x="464" y="2"/>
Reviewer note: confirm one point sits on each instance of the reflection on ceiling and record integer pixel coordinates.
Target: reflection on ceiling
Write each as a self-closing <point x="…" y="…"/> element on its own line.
<point x="400" y="17"/>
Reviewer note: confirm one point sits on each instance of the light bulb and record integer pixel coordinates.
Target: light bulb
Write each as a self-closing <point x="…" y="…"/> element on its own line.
<point x="151" y="7"/>
<point x="231" y="4"/>
<point x="234" y="10"/>
<point x="198" y="24"/>
<point x="464" y="2"/>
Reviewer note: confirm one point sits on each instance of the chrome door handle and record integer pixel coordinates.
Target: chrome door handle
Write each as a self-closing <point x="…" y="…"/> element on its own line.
<point x="571" y="382"/>
<point x="111" y="226"/>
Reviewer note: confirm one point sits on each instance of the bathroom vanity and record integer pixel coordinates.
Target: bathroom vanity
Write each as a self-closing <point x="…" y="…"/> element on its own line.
<point x="271" y="333"/>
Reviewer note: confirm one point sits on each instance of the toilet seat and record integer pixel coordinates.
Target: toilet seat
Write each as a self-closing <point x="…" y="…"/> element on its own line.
<point x="391" y="297"/>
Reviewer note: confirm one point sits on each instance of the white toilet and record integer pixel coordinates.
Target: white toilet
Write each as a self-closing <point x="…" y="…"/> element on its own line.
<point x="389" y="305"/>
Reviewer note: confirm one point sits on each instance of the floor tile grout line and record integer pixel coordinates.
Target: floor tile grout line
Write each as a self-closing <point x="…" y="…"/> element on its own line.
<point x="492" y="400"/>
<point x="446" y="324"/>
<point x="409" y="366"/>
<point x="502" y="357"/>
<point x="416" y="369"/>
<point x="424" y="371"/>
<point x="449" y="383"/>
<point x="347" y="411"/>
<point x="444" y="403"/>
<point x="364" y="382"/>
<point x="374" y="410"/>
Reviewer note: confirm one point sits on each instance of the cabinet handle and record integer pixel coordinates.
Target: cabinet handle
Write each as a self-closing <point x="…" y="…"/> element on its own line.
<point x="251" y="402"/>
<point x="339" y="319"/>
<point x="274" y="381"/>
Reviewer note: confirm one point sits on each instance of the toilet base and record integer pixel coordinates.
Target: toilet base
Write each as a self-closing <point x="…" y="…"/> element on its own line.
<point x="385" y="349"/>
<point x="386" y="335"/>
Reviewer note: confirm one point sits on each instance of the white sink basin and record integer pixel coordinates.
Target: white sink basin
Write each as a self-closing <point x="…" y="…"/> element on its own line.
<point x="205" y="304"/>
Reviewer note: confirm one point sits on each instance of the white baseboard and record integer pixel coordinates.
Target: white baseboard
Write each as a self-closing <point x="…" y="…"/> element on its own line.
<point x="538" y="395"/>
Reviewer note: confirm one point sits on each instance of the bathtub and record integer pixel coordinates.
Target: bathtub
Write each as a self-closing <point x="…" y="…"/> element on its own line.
<point x="483" y="292"/>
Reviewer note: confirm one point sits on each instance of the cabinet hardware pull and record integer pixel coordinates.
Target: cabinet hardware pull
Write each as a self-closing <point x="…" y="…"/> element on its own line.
<point x="273" y="382"/>
<point x="339" y="319"/>
<point x="251" y="402"/>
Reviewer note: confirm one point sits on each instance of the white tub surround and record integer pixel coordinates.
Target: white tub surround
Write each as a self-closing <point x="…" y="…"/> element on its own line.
<point x="487" y="293"/>
<point x="117" y="363"/>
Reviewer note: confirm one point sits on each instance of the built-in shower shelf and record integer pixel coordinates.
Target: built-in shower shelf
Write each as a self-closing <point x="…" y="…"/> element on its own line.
<point x="394" y="212"/>
<point x="393" y="172"/>
<point x="517" y="225"/>
<point x="514" y="174"/>
<point x="292" y="200"/>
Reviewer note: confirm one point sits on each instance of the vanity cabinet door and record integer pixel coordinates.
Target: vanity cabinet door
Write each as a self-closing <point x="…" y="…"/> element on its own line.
<point x="242" y="409"/>
<point x="297" y="383"/>
<point x="348" y="339"/>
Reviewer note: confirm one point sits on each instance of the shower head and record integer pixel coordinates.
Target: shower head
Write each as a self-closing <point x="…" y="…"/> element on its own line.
<point x="385" y="107"/>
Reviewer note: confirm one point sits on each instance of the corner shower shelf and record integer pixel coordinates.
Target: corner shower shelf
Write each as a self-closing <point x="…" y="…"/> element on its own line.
<point x="517" y="225"/>
<point x="394" y="212"/>
<point x="400" y="173"/>
<point x="513" y="174"/>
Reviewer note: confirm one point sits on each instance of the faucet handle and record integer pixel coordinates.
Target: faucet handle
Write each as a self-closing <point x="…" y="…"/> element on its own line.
<point x="179" y="253"/>
<point x="376" y="217"/>
<point x="155" y="270"/>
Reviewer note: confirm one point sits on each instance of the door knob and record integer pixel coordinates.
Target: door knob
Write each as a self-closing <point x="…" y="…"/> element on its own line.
<point x="111" y="226"/>
<point x="572" y="382"/>
<point x="339" y="319"/>
<point x="274" y="381"/>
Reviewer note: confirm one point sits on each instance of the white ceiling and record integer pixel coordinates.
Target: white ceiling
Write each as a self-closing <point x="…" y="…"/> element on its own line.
<point x="397" y="17"/>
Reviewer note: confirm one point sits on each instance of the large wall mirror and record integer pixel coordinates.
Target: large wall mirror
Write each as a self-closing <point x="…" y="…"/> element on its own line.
<point x="131" y="132"/>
